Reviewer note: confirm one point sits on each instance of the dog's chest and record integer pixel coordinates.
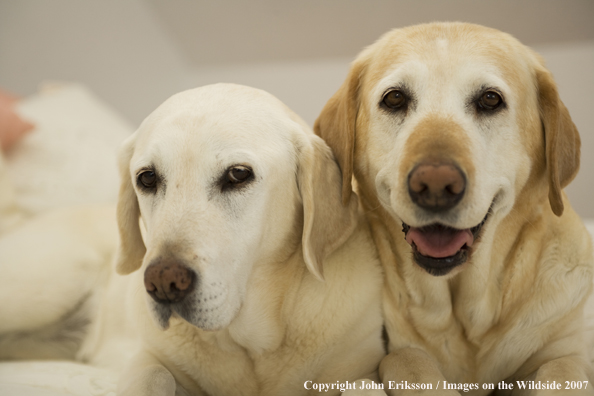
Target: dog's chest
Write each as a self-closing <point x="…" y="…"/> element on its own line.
<point x="211" y="363"/>
<point x="221" y="367"/>
<point x="463" y="330"/>
<point x="449" y="324"/>
<point x="445" y="336"/>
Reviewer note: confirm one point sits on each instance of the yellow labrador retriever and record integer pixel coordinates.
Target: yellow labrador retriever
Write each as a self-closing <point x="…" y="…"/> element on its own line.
<point x="461" y="147"/>
<point x="251" y="277"/>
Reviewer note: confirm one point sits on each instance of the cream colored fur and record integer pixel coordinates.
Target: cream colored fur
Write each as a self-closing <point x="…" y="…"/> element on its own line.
<point x="514" y="310"/>
<point x="289" y="284"/>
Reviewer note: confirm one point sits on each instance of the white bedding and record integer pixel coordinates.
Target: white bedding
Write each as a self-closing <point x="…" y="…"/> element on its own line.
<point x="70" y="157"/>
<point x="38" y="378"/>
<point x="68" y="118"/>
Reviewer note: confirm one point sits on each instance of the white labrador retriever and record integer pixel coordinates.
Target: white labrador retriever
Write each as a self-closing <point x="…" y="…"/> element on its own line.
<point x="251" y="278"/>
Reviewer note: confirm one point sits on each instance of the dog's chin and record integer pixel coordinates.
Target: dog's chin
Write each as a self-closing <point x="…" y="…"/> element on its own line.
<point x="164" y="314"/>
<point x="161" y="313"/>
<point x="439" y="249"/>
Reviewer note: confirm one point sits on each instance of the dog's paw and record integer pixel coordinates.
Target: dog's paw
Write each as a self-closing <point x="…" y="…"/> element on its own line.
<point x="364" y="387"/>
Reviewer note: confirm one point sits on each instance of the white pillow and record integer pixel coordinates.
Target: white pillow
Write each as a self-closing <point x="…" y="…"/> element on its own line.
<point x="55" y="378"/>
<point x="70" y="157"/>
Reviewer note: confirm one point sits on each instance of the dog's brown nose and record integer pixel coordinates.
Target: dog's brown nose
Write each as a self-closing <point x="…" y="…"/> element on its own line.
<point x="168" y="281"/>
<point x="436" y="186"/>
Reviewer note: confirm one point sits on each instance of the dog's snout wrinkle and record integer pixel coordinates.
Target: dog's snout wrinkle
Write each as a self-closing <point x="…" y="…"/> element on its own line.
<point x="168" y="281"/>
<point x="436" y="186"/>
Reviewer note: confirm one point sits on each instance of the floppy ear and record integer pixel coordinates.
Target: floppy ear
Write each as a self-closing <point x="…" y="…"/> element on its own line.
<point x="131" y="249"/>
<point x="336" y="123"/>
<point x="562" y="140"/>
<point x="326" y="222"/>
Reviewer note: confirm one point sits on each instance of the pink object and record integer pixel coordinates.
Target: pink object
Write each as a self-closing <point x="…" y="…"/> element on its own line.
<point x="12" y="126"/>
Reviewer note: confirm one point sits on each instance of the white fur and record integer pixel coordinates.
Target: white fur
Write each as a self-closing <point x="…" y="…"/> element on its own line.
<point x="289" y="284"/>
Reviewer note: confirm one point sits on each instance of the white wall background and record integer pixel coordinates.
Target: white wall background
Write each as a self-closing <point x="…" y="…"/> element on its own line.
<point x="128" y="53"/>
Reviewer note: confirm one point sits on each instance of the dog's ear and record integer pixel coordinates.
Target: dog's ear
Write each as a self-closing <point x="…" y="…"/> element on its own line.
<point x="131" y="249"/>
<point x="336" y="123"/>
<point x="562" y="140"/>
<point x="327" y="223"/>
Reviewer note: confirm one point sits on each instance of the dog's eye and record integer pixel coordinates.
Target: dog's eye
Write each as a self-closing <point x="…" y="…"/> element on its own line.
<point x="394" y="99"/>
<point x="239" y="174"/>
<point x="490" y="100"/>
<point x="148" y="179"/>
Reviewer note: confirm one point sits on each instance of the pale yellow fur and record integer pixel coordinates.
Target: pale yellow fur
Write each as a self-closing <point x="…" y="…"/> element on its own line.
<point x="514" y="311"/>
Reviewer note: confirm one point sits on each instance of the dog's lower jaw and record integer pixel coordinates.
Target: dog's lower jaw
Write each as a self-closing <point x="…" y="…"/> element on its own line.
<point x="163" y="313"/>
<point x="440" y="266"/>
<point x="206" y="319"/>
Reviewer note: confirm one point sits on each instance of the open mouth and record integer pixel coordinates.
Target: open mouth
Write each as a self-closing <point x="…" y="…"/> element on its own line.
<point x="438" y="248"/>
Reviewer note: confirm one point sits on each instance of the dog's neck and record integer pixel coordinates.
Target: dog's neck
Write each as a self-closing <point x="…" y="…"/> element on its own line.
<point x="259" y="326"/>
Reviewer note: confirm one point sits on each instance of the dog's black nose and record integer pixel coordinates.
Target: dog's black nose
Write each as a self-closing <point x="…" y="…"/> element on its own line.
<point x="168" y="281"/>
<point x="436" y="186"/>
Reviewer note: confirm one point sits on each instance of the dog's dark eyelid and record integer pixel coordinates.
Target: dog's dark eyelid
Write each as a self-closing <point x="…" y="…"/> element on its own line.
<point x="487" y="101"/>
<point x="396" y="99"/>
<point x="239" y="174"/>
<point x="490" y="100"/>
<point x="236" y="176"/>
<point x="147" y="179"/>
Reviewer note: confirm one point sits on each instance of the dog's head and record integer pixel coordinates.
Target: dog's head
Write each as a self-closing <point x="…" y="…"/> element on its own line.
<point x="446" y="125"/>
<point x="224" y="178"/>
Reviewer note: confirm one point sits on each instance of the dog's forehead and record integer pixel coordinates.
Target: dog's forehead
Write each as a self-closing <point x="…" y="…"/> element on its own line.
<point x="228" y="110"/>
<point x="446" y="50"/>
<point x="211" y="122"/>
<point x="221" y="107"/>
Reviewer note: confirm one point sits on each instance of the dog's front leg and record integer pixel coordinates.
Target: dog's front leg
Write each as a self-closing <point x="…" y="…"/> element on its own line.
<point x="407" y="370"/>
<point x="146" y="376"/>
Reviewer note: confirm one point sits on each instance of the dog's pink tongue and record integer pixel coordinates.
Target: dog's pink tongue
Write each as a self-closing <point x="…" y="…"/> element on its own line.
<point x="439" y="242"/>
